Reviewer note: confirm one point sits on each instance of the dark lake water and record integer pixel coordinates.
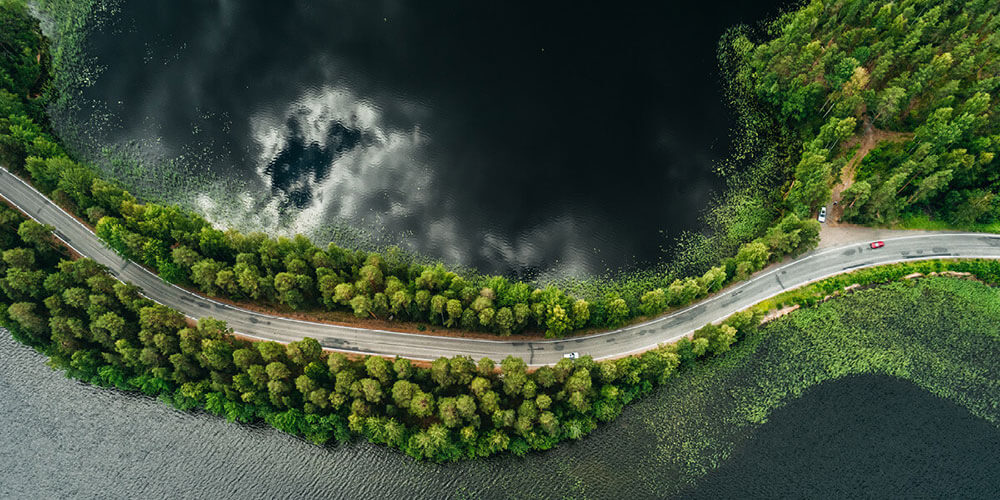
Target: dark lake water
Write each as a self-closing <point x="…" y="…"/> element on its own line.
<point x="515" y="137"/>
<point x="869" y="436"/>
<point x="862" y="436"/>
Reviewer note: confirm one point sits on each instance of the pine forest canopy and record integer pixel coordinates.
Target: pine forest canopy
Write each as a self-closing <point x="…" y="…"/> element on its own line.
<point x="929" y="68"/>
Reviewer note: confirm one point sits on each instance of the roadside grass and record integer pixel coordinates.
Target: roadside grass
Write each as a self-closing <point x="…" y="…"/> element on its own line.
<point x="928" y="223"/>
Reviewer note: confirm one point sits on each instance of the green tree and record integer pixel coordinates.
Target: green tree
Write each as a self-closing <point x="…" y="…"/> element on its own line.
<point x="812" y="183"/>
<point x="278" y="371"/>
<point x="486" y="317"/>
<point x="617" y="311"/>
<point x="504" y="321"/>
<point x="929" y="186"/>
<point x="378" y="368"/>
<point x="514" y="375"/>
<point x="557" y="321"/>
<point x="372" y="390"/>
<point x="204" y="274"/>
<point x="454" y="308"/>
<point x="855" y="197"/>
<point x="421" y="404"/>
<point x="403" y="392"/>
<point x="448" y="412"/>
<point x="305" y="351"/>
<point x="270" y="351"/>
<point x="713" y="279"/>
<point x="244" y="358"/>
<point x="362" y="306"/>
<point x="19" y="257"/>
<point x="890" y="101"/>
<point x="970" y="209"/>
<point x="35" y="234"/>
<point x="25" y="314"/>
<point x="581" y="313"/>
<point x="751" y="257"/>
<point x="402" y="368"/>
<point x="441" y="372"/>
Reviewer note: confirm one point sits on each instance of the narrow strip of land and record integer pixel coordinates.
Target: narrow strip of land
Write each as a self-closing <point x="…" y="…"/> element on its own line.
<point x="634" y="338"/>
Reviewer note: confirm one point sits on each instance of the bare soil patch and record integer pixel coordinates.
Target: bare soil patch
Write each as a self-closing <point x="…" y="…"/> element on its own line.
<point x="869" y="139"/>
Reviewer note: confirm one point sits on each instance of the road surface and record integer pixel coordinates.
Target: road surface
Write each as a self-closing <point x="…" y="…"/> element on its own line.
<point x="632" y="339"/>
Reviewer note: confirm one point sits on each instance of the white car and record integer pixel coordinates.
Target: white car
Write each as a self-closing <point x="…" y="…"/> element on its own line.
<point x="822" y="214"/>
<point x="571" y="355"/>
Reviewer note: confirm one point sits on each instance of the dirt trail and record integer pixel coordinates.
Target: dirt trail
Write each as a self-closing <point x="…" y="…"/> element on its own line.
<point x="870" y="138"/>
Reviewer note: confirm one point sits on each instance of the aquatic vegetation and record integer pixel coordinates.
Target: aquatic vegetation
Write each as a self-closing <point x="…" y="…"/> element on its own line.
<point x="939" y="333"/>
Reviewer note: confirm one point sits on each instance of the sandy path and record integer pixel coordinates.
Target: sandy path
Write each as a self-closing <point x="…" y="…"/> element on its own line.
<point x="835" y="232"/>
<point x="870" y="138"/>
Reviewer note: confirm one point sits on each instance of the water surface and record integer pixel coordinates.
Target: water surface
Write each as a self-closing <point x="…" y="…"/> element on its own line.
<point x="513" y="137"/>
<point x="60" y="438"/>
<point x="870" y="436"/>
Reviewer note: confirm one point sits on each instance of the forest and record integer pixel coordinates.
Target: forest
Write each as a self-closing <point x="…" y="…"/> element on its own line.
<point x="926" y="73"/>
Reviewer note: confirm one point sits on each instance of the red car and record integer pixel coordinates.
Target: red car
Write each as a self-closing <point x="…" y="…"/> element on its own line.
<point x="877" y="244"/>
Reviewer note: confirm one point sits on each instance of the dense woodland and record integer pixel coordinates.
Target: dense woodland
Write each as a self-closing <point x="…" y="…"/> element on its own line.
<point x="295" y="273"/>
<point x="927" y="68"/>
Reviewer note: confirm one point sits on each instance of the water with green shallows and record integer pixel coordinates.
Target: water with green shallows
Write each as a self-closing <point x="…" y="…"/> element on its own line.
<point x="879" y="435"/>
<point x="514" y="137"/>
<point x="62" y="439"/>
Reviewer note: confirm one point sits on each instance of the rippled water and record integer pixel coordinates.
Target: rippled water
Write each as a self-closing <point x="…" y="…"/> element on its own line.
<point x="513" y="137"/>
<point x="60" y="438"/>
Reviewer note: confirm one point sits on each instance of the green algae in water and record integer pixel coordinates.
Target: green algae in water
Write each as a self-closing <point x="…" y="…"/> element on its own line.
<point x="872" y="435"/>
<point x="942" y="335"/>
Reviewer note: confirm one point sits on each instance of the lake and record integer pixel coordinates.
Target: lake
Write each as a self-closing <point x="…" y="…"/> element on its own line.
<point x="856" y="436"/>
<point x="565" y="138"/>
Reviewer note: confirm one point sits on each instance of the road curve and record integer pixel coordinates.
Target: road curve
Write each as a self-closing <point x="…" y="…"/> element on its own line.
<point x="631" y="339"/>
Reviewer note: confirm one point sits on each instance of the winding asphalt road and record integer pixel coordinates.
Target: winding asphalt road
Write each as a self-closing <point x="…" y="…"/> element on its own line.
<point x="632" y="339"/>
